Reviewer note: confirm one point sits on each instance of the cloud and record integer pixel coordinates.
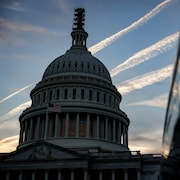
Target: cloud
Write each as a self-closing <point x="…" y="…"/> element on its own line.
<point x="158" y="101"/>
<point x="21" y="26"/>
<point x="9" y="144"/>
<point x="15" y="111"/>
<point x="15" y="93"/>
<point x="15" y="6"/>
<point x="102" y="44"/>
<point x="147" y="53"/>
<point x="145" y="143"/>
<point x="144" y="80"/>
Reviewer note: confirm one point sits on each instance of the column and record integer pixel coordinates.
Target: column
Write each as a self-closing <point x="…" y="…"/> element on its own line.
<point x="67" y="125"/>
<point x="59" y="174"/>
<point x="46" y="175"/>
<point x="20" y="176"/>
<point x="119" y="133"/>
<point x="77" y="125"/>
<point x="87" y="126"/>
<point x="56" y="125"/>
<point x="7" y="176"/>
<point x="28" y="130"/>
<point x="31" y="131"/>
<point x="97" y="130"/>
<point x="21" y="133"/>
<point x="113" y="174"/>
<point x="37" y="128"/>
<point x="125" y="174"/>
<point x="124" y="134"/>
<point x="138" y="174"/>
<point x="100" y="175"/>
<point x="114" y="130"/>
<point x="85" y="174"/>
<point x="25" y="122"/>
<point x="72" y="174"/>
<point x="107" y="132"/>
<point x="46" y="125"/>
<point x="33" y="175"/>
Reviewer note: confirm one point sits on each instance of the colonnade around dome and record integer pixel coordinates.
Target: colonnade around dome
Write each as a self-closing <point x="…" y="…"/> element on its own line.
<point x="76" y="125"/>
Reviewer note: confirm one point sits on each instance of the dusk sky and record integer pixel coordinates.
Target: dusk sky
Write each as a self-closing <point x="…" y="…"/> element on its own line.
<point x="135" y="39"/>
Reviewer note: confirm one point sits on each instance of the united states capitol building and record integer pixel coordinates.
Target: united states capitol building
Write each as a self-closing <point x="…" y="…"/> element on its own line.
<point x="75" y="129"/>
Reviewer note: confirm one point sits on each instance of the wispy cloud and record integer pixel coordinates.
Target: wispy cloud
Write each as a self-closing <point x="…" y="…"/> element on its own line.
<point x="145" y="143"/>
<point x="9" y="144"/>
<point x="144" y="80"/>
<point x="15" y="111"/>
<point x="15" y="6"/>
<point x="158" y="101"/>
<point x="102" y="44"/>
<point x="15" y="93"/>
<point x="22" y="26"/>
<point x="147" y="53"/>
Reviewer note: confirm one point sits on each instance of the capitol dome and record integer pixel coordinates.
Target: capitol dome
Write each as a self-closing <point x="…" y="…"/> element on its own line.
<point x="75" y="105"/>
<point x="77" y="60"/>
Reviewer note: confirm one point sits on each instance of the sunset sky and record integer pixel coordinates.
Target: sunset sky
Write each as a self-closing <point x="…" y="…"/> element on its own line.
<point x="136" y="40"/>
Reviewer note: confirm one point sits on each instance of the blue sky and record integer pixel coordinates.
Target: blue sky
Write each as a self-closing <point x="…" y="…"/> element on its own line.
<point x="33" y="33"/>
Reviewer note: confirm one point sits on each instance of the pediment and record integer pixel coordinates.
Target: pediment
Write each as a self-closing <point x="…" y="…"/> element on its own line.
<point x="43" y="151"/>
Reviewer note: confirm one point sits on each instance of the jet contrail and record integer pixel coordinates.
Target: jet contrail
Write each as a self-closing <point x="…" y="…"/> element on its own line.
<point x="158" y="101"/>
<point x="9" y="144"/>
<point x="147" y="53"/>
<point x="102" y="44"/>
<point x="14" y="93"/>
<point x="15" y="111"/>
<point x="145" y="80"/>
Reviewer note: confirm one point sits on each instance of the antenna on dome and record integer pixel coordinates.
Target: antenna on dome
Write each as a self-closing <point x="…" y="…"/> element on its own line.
<point x="79" y="35"/>
<point x="79" y="18"/>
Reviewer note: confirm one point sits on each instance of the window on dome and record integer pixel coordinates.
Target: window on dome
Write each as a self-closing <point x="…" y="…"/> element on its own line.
<point x="109" y="100"/>
<point x="75" y="64"/>
<point x="104" y="98"/>
<point x="63" y="65"/>
<point x="74" y="93"/>
<point x="90" y="95"/>
<point x="94" y="67"/>
<point x="41" y="127"/>
<point x="65" y="93"/>
<point x="82" y="93"/>
<point x="58" y="94"/>
<point x="97" y="97"/>
<point x="50" y="95"/>
<point x="44" y="97"/>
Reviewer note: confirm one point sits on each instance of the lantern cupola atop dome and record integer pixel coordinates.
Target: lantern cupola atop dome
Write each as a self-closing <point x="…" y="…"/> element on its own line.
<point x="78" y="34"/>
